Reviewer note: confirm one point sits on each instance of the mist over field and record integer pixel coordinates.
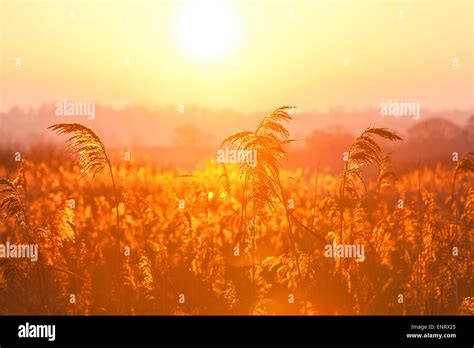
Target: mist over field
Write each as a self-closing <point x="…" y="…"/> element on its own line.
<point x="194" y="136"/>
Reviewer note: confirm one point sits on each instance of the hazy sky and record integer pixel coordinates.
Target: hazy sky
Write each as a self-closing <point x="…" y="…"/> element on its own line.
<point x="264" y="54"/>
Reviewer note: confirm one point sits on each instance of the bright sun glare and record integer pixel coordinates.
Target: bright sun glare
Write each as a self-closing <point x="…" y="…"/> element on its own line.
<point x="208" y="29"/>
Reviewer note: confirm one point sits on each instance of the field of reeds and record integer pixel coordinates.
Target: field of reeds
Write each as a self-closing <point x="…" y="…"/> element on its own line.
<point x="127" y="238"/>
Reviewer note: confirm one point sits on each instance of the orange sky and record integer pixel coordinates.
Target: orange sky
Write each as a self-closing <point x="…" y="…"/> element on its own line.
<point x="287" y="52"/>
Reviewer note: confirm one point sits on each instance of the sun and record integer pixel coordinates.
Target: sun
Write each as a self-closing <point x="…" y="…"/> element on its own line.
<point x="207" y="30"/>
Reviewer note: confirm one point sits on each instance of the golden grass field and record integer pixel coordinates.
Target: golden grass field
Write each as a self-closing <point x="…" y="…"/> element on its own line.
<point x="237" y="240"/>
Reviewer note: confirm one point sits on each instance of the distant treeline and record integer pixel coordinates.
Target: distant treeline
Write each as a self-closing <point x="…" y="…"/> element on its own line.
<point x="429" y="142"/>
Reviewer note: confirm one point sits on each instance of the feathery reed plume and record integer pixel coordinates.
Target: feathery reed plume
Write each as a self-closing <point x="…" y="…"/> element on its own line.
<point x="386" y="175"/>
<point x="262" y="180"/>
<point x="92" y="155"/>
<point x="92" y="158"/>
<point x="146" y="283"/>
<point x="464" y="166"/>
<point x="63" y="223"/>
<point x="12" y="202"/>
<point x="363" y="151"/>
<point x="85" y="142"/>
